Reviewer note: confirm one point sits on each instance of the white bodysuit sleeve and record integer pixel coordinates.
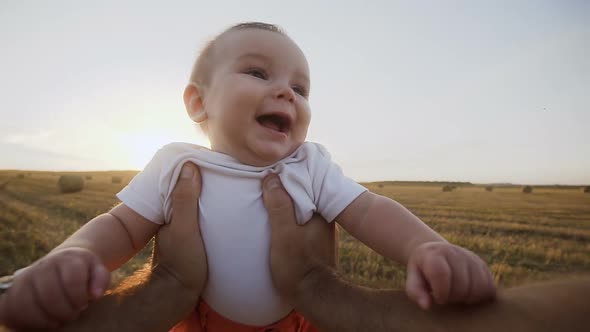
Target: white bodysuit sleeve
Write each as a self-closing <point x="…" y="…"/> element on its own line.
<point x="143" y="194"/>
<point x="332" y="190"/>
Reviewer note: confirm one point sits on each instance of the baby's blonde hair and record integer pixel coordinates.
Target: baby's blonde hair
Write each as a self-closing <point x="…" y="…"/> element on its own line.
<point x="200" y="74"/>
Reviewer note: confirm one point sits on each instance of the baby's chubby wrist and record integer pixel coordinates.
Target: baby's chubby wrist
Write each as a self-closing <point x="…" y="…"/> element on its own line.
<point x="417" y="247"/>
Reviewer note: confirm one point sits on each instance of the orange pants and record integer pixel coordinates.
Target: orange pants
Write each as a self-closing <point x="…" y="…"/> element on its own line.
<point x="205" y="319"/>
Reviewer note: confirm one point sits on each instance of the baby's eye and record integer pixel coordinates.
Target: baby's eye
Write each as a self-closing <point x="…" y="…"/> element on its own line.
<point x="258" y="73"/>
<point x="300" y="90"/>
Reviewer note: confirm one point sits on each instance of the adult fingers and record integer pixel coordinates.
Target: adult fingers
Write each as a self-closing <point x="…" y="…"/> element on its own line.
<point x="329" y="254"/>
<point x="316" y="241"/>
<point x="417" y="288"/>
<point x="179" y="249"/>
<point x="185" y="199"/>
<point x="319" y="240"/>
<point x="278" y="204"/>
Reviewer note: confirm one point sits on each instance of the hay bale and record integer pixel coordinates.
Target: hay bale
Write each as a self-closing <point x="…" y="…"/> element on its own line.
<point x="527" y="189"/>
<point x="587" y="189"/>
<point x="70" y="183"/>
<point x="489" y="188"/>
<point x="448" y="188"/>
<point x="116" y="179"/>
<point x="20" y="176"/>
<point x="380" y="185"/>
<point x="88" y="177"/>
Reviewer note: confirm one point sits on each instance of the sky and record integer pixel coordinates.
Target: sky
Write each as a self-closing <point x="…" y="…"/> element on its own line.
<point x="477" y="91"/>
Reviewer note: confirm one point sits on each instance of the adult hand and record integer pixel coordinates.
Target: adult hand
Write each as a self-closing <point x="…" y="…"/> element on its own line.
<point x="179" y="250"/>
<point x="332" y="304"/>
<point x="295" y="250"/>
<point x="178" y="275"/>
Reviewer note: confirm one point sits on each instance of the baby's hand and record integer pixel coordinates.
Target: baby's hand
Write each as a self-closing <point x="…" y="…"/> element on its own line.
<point x="55" y="289"/>
<point x="445" y="273"/>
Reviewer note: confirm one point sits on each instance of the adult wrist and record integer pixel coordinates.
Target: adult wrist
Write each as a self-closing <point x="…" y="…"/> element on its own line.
<point x="316" y="279"/>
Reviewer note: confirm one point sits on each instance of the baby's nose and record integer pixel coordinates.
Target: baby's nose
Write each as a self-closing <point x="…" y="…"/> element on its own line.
<point x="285" y="92"/>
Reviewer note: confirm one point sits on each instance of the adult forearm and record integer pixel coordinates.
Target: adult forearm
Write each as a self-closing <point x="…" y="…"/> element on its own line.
<point x="335" y="305"/>
<point x="544" y="307"/>
<point x="147" y="301"/>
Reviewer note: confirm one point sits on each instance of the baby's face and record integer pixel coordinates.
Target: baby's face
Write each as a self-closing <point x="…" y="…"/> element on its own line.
<point x="257" y="98"/>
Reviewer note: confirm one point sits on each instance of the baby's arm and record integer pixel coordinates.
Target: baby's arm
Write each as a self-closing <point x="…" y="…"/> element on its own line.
<point x="386" y="226"/>
<point x="114" y="237"/>
<point x="56" y="288"/>
<point x="437" y="270"/>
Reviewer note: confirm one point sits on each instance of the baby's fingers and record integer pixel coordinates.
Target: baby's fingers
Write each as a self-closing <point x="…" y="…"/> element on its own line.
<point x="74" y="276"/>
<point x="438" y="274"/>
<point x="462" y="286"/>
<point x="416" y="287"/>
<point x="483" y="285"/>
<point x="51" y="293"/>
<point x="100" y="279"/>
<point x="21" y="307"/>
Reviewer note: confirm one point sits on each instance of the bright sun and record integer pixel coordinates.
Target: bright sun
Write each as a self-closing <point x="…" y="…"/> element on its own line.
<point x="141" y="146"/>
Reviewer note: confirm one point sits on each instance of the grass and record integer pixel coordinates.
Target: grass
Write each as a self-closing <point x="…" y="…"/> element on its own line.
<point x="524" y="237"/>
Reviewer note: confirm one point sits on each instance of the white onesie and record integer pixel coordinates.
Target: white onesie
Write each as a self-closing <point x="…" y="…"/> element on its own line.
<point x="233" y="220"/>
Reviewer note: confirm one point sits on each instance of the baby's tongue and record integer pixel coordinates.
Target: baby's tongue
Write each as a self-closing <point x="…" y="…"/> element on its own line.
<point x="269" y="123"/>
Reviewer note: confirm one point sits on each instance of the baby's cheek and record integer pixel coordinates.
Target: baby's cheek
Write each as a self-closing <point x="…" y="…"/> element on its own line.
<point x="302" y="127"/>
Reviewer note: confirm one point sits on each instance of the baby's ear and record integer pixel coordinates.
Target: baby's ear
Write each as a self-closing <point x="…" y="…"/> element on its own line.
<point x="193" y="101"/>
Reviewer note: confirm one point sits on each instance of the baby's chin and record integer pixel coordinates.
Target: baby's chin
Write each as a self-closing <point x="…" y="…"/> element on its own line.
<point x="266" y="157"/>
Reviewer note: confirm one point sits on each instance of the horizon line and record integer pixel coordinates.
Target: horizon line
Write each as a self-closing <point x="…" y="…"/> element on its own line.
<point x="496" y="183"/>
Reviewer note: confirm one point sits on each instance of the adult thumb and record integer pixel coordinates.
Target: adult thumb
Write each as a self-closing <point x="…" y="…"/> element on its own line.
<point x="277" y="202"/>
<point x="185" y="202"/>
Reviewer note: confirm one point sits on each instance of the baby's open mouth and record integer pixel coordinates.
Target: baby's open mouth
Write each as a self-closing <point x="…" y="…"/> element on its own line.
<point x="278" y="122"/>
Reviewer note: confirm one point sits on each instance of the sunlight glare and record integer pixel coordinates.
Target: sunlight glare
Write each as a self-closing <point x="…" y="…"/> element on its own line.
<point x="142" y="146"/>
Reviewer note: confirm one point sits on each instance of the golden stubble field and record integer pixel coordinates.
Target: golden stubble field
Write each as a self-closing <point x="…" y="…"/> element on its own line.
<point x="524" y="237"/>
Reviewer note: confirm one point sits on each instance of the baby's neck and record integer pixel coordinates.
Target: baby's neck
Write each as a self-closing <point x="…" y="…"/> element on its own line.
<point x="247" y="158"/>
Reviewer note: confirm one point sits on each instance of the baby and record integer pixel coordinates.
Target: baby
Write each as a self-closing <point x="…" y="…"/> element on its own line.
<point x="249" y="92"/>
